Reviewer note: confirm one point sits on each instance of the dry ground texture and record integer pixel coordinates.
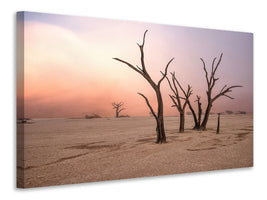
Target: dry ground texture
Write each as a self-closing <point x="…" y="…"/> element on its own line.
<point x="65" y="151"/>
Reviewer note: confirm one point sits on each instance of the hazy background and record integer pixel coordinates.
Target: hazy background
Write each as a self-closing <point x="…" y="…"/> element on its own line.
<point x="69" y="70"/>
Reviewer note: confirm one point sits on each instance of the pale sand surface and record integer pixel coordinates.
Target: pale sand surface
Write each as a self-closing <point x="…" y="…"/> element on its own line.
<point x="65" y="151"/>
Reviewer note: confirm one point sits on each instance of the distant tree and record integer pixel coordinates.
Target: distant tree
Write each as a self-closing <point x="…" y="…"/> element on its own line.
<point x="161" y="137"/>
<point x="176" y="98"/>
<point x="211" y="80"/>
<point x="92" y="116"/>
<point x="241" y="112"/>
<point x="229" y="112"/>
<point x="124" y="116"/>
<point x="118" y="108"/>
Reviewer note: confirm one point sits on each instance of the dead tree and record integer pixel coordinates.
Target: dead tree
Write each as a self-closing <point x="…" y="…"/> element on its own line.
<point x="211" y="80"/>
<point x="176" y="98"/>
<point x="161" y="137"/>
<point x="118" y="108"/>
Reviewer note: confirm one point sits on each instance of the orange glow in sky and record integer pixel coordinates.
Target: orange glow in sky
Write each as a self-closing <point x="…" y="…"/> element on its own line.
<point x="69" y="70"/>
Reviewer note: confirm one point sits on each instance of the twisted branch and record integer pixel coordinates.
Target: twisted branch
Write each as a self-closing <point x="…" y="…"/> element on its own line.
<point x="148" y="104"/>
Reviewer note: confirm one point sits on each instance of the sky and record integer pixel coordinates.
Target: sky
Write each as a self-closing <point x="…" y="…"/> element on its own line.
<point x="69" y="70"/>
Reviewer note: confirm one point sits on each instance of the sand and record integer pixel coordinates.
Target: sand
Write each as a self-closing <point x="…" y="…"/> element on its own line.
<point x="66" y="151"/>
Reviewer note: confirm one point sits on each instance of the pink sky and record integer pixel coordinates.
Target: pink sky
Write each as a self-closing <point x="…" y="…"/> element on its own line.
<point x="69" y="70"/>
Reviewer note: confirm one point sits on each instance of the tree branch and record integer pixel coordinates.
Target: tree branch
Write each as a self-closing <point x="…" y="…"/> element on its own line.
<point x="121" y="110"/>
<point x="169" y="83"/>
<point x="138" y="68"/>
<point x="189" y="92"/>
<point x="218" y="63"/>
<point x="182" y="98"/>
<point x="148" y="104"/>
<point x="228" y="96"/>
<point x="176" y="93"/>
<point x="117" y="105"/>
<point x="175" y="104"/>
<point x="204" y="67"/>
<point x="142" y="54"/>
<point x="224" y="91"/>
<point x="213" y="62"/>
<point x="223" y="88"/>
<point x="166" y="71"/>
<point x="184" y="106"/>
<point x="144" y="37"/>
<point x="213" y="82"/>
<point x="174" y="77"/>
<point x="198" y="99"/>
<point x="130" y="65"/>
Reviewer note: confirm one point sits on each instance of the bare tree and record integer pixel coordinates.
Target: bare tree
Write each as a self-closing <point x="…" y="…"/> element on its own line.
<point x="118" y="108"/>
<point x="161" y="137"/>
<point x="211" y="80"/>
<point x="176" y="98"/>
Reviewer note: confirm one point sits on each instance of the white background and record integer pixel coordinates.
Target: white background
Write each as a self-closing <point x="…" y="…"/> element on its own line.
<point x="247" y="16"/>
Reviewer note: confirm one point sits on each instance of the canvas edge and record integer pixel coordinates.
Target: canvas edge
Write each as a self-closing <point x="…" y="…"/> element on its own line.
<point x="20" y="99"/>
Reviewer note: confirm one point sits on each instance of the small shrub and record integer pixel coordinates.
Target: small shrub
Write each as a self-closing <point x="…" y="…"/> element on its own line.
<point x="92" y="116"/>
<point x="229" y="112"/>
<point x="124" y="116"/>
<point x="241" y="112"/>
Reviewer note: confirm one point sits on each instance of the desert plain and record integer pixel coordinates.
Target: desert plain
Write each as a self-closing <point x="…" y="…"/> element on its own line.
<point x="67" y="151"/>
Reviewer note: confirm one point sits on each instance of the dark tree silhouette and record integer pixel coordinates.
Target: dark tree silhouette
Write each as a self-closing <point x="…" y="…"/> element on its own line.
<point x="229" y="112"/>
<point x="199" y="112"/>
<point x="211" y="80"/>
<point x="194" y="114"/>
<point x="241" y="112"/>
<point x="197" y="119"/>
<point x="218" y="124"/>
<point x="161" y="137"/>
<point x="118" y="108"/>
<point x="176" y="98"/>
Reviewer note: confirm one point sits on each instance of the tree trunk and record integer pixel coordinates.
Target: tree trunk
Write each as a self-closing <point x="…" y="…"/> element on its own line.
<point x="160" y="120"/>
<point x="199" y="115"/>
<point x="218" y="124"/>
<point x="194" y="115"/>
<point x="182" y="120"/>
<point x="158" y="133"/>
<point x="117" y="114"/>
<point x="161" y="138"/>
<point x="206" y="117"/>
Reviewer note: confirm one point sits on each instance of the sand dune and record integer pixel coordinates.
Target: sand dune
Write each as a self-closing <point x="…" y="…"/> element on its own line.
<point x="64" y="151"/>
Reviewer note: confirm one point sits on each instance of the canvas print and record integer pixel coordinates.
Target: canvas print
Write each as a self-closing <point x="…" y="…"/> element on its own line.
<point x="101" y="99"/>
